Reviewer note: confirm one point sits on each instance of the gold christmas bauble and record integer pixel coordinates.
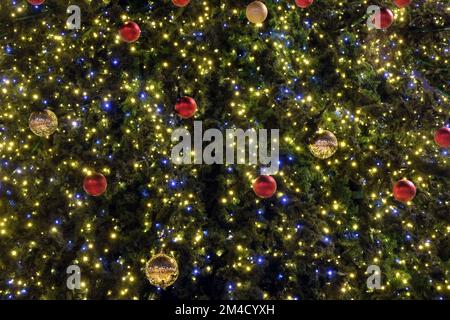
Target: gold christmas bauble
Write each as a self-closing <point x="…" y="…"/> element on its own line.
<point x="324" y="144"/>
<point x="43" y="123"/>
<point x="256" y="12"/>
<point x="162" y="270"/>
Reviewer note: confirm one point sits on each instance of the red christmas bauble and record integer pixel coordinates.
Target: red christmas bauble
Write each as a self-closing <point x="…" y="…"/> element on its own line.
<point x="442" y="137"/>
<point x="181" y="3"/>
<point x="36" y="2"/>
<point x="185" y="107"/>
<point x="265" y="186"/>
<point x="383" y="19"/>
<point x="95" y="184"/>
<point x="402" y="3"/>
<point x="130" y="32"/>
<point x="404" y="190"/>
<point x="303" y="3"/>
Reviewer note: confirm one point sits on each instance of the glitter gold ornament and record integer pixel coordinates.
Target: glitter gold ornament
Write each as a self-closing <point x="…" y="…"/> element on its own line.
<point x="162" y="270"/>
<point x="256" y="12"/>
<point x="43" y="123"/>
<point x="324" y="144"/>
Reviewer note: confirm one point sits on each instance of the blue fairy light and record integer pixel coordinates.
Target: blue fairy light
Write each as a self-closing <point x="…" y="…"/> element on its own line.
<point x="173" y="183"/>
<point x="8" y="49"/>
<point x="307" y="23"/>
<point x="106" y="105"/>
<point x="331" y="273"/>
<point x="145" y="193"/>
<point x="395" y="212"/>
<point x="260" y="260"/>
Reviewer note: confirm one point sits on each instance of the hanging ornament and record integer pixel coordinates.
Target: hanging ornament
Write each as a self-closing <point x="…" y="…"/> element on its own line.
<point x="265" y="186"/>
<point x="43" y="123"/>
<point x="383" y="18"/>
<point x="181" y="3"/>
<point x="404" y="190"/>
<point x="402" y="3"/>
<point x="36" y="2"/>
<point x="442" y="137"/>
<point x="324" y="144"/>
<point x="162" y="270"/>
<point x="130" y="32"/>
<point x="95" y="184"/>
<point x="303" y="3"/>
<point x="256" y="12"/>
<point x="186" y="107"/>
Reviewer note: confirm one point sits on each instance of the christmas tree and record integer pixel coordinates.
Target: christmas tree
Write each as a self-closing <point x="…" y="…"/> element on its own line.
<point x="90" y="97"/>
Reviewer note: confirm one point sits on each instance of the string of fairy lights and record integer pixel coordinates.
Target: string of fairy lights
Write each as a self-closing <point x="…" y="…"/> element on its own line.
<point x="85" y="101"/>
